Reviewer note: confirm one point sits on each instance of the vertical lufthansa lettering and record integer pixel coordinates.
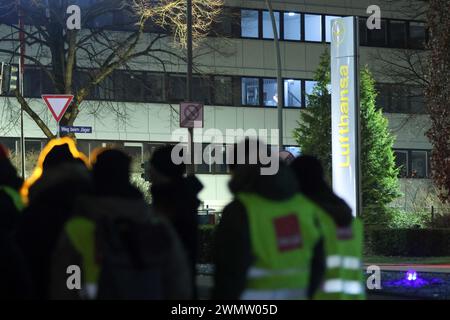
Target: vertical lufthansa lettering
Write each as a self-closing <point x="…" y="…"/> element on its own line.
<point x="344" y="133"/>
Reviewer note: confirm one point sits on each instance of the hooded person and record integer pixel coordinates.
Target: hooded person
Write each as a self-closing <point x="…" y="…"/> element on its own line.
<point x="176" y="197"/>
<point x="342" y="233"/>
<point x="60" y="176"/>
<point x="11" y="203"/>
<point x="267" y="239"/>
<point x="16" y="283"/>
<point x="123" y="249"/>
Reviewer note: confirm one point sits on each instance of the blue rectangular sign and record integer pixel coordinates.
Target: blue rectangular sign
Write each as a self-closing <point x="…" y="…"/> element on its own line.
<point x="74" y="129"/>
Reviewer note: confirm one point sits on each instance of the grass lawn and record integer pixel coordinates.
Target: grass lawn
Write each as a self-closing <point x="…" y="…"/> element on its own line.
<point x="406" y="260"/>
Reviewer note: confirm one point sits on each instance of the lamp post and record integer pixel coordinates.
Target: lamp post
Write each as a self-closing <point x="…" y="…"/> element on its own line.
<point x="279" y="75"/>
<point x="191" y="166"/>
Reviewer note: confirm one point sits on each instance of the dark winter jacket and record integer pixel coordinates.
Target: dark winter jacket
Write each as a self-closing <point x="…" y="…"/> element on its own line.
<point x="233" y="254"/>
<point x="172" y="259"/>
<point x="51" y="202"/>
<point x="178" y="201"/>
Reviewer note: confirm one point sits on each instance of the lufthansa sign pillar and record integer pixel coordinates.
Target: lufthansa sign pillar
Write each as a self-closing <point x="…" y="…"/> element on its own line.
<point x="345" y="111"/>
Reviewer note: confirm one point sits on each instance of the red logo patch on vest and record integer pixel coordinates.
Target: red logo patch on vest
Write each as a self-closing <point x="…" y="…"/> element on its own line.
<point x="344" y="233"/>
<point x="287" y="232"/>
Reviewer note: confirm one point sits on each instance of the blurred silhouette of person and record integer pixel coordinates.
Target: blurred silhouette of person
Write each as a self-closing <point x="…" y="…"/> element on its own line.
<point x="267" y="239"/>
<point x="124" y="250"/>
<point x="11" y="203"/>
<point x="16" y="282"/>
<point x="341" y="232"/>
<point x="176" y="197"/>
<point x="60" y="176"/>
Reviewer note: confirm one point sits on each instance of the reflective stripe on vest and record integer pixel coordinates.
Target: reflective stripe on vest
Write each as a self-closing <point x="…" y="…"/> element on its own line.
<point x="351" y="287"/>
<point x="255" y="272"/>
<point x="274" y="294"/>
<point x="15" y="197"/>
<point x="336" y="261"/>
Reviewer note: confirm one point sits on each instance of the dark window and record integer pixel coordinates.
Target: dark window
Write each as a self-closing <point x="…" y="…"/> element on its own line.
<point x="128" y="86"/>
<point x="313" y="27"/>
<point x="416" y="100"/>
<point x="33" y="146"/>
<point x="154" y="87"/>
<point x="397" y="34"/>
<point x="270" y="95"/>
<point x="292" y="26"/>
<point x="401" y="161"/>
<point x="32" y="82"/>
<point x="292" y="93"/>
<point x="47" y="84"/>
<point x="250" y="23"/>
<point x="224" y="25"/>
<point x="201" y="89"/>
<point x="222" y="89"/>
<point x="81" y="79"/>
<point x="250" y="91"/>
<point x="417" y="35"/>
<point x="419" y="164"/>
<point x="267" y="24"/>
<point x="399" y="99"/>
<point x="105" y="89"/>
<point x="377" y="37"/>
<point x="362" y="31"/>
<point x="177" y="88"/>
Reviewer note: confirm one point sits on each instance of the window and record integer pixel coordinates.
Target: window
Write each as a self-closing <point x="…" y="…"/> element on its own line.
<point x="292" y="26"/>
<point x="105" y="90"/>
<point x="177" y="88"/>
<point x="32" y="82"/>
<point x="201" y="90"/>
<point x="292" y="93"/>
<point x="33" y="146"/>
<point x="154" y="87"/>
<point x="377" y="37"/>
<point x="270" y="92"/>
<point x="267" y="24"/>
<point x="47" y="85"/>
<point x="399" y="99"/>
<point x="416" y="100"/>
<point x="328" y="27"/>
<point x="362" y="31"/>
<point x="81" y="80"/>
<point x="313" y="27"/>
<point x="397" y="34"/>
<point x="223" y="90"/>
<point x="401" y="161"/>
<point x="309" y="88"/>
<point x="417" y="35"/>
<point x="250" y="91"/>
<point x="249" y="23"/>
<point x="419" y="164"/>
<point x="128" y="85"/>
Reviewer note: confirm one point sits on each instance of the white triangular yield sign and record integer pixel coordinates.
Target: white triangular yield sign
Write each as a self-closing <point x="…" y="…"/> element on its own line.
<point x="57" y="103"/>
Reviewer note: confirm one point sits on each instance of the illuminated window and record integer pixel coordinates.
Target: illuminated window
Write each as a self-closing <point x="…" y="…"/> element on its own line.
<point x="249" y="23"/>
<point x="292" y="26"/>
<point x="267" y="24"/>
<point x="292" y="93"/>
<point x="313" y="27"/>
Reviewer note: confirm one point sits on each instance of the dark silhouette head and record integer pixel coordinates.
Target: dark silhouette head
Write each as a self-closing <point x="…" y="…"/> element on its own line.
<point x="162" y="165"/>
<point x="111" y="169"/>
<point x="8" y="173"/>
<point x="309" y="173"/>
<point x="58" y="155"/>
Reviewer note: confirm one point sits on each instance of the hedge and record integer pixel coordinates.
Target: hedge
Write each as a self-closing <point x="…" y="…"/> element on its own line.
<point x="407" y="242"/>
<point x="377" y="241"/>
